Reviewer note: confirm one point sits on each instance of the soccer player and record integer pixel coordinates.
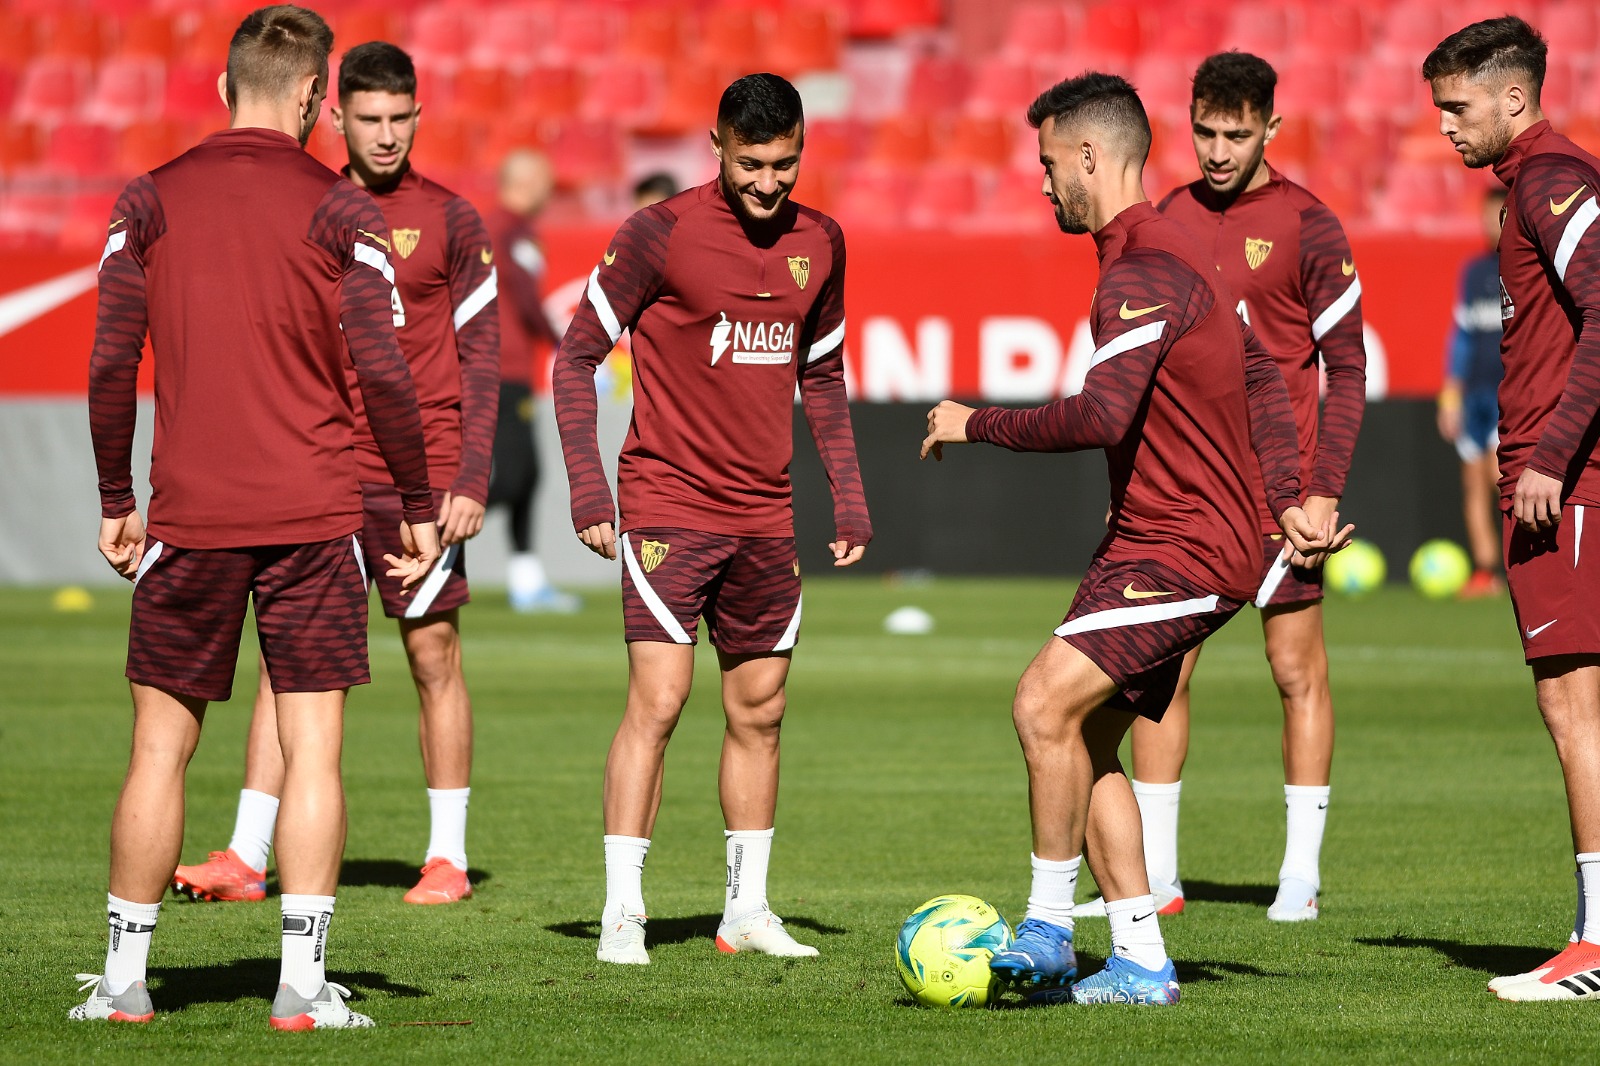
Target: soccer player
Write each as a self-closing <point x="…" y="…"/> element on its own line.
<point x="261" y="276"/>
<point x="1285" y="258"/>
<point x="1183" y="399"/>
<point x="444" y="316"/>
<point x="525" y="184"/>
<point x="1485" y="80"/>
<point x="735" y="295"/>
<point x="1468" y="405"/>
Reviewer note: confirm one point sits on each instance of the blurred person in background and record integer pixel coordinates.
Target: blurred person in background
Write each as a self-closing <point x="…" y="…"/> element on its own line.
<point x="653" y="188"/>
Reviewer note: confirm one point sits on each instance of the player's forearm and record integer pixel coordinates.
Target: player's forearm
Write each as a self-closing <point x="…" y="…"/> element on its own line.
<point x="113" y="382"/>
<point x="1569" y="424"/>
<point x="1272" y="429"/>
<point x="1073" y="424"/>
<point x="827" y="411"/>
<point x="387" y="391"/>
<point x="572" y="387"/>
<point x="478" y="343"/>
<point x="1342" y="411"/>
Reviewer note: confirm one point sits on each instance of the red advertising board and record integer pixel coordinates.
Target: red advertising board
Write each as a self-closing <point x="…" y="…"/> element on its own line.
<point x="987" y="317"/>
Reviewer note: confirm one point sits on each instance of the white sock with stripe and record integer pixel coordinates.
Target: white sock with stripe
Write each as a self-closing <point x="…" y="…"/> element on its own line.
<point x="749" y="853"/>
<point x="1136" y="931"/>
<point x="1587" y="927"/>
<point x="131" y="926"/>
<point x="305" y="942"/>
<point x="1307" y="817"/>
<point x="625" y="874"/>
<point x="1158" y="811"/>
<point x="1055" y="882"/>
<point x="253" y="827"/>
<point x="447" y="825"/>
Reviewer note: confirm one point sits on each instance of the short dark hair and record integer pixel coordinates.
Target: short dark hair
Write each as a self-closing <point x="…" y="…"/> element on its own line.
<point x="1229" y="82"/>
<point x="377" y="67"/>
<point x="760" y="108"/>
<point x="659" y="184"/>
<point x="273" y="48"/>
<point x="1105" y="100"/>
<point x="1504" y="46"/>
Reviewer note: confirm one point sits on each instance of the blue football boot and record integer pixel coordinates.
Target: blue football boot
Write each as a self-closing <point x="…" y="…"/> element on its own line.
<point x="1126" y="982"/>
<point x="1041" y="956"/>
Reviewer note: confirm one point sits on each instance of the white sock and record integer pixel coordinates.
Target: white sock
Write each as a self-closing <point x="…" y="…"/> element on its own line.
<point x="305" y="943"/>
<point x="1587" y="927"/>
<point x="625" y="874"/>
<point x="253" y="827"/>
<point x="1136" y="931"/>
<point x="749" y="852"/>
<point x="1302" y="850"/>
<point x="1055" y="882"/>
<point x="132" y="925"/>
<point x="1158" y="811"/>
<point x="447" y="833"/>
<point x="526" y="573"/>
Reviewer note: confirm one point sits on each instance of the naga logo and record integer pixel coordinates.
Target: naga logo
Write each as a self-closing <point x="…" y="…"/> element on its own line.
<point x="758" y="343"/>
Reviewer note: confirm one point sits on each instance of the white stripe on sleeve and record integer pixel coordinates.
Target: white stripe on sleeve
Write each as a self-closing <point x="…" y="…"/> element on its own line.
<point x="826" y="344"/>
<point x="602" y="307"/>
<point x="648" y="595"/>
<point x="1336" y="310"/>
<point x="1117" y="617"/>
<point x="114" y="244"/>
<point x="1127" y="342"/>
<point x="366" y="253"/>
<point x="1573" y="234"/>
<point x="478" y="300"/>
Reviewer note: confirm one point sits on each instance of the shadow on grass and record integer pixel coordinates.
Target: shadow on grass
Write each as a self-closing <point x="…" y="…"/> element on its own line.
<point x="1217" y="892"/>
<point x="185" y="986"/>
<point x="1487" y="958"/>
<point x="1190" y="971"/>
<point x="391" y="873"/>
<point x="682" y="930"/>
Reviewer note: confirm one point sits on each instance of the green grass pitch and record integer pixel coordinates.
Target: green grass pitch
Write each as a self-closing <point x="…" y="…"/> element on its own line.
<point x="1447" y="857"/>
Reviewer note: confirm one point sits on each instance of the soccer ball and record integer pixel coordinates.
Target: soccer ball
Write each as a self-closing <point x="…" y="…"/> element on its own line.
<point x="1439" y="569"/>
<point x="944" y="950"/>
<point x="1356" y="570"/>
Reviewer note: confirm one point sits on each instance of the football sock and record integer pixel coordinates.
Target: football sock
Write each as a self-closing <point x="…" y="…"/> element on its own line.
<point x="305" y="942"/>
<point x="625" y="874"/>
<point x="749" y="851"/>
<point x="132" y="925"/>
<point x="1136" y="931"/>
<point x="447" y="833"/>
<point x="1308" y="815"/>
<point x="1055" y="882"/>
<point x="1587" y="926"/>
<point x="525" y="573"/>
<point x="253" y="826"/>
<point x="1158" y="810"/>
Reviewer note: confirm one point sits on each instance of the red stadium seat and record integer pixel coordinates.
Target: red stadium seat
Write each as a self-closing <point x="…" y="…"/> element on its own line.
<point x="584" y="152"/>
<point x="207" y="42"/>
<point x="440" y="35"/>
<point x="1573" y="27"/>
<point x="363" y="24"/>
<point x="583" y="34"/>
<point x="20" y="145"/>
<point x="1112" y="30"/>
<point x="629" y="94"/>
<point x="76" y="33"/>
<point x="871" y="19"/>
<point x="733" y="37"/>
<point x="129" y="89"/>
<point x="1333" y="27"/>
<point x="1308" y="83"/>
<point x="18" y="41"/>
<point x="1187" y="33"/>
<point x="32" y="217"/>
<point x="551" y="91"/>
<point x="905" y="141"/>
<point x="1260" y="28"/>
<point x="8" y="89"/>
<point x="1296" y="141"/>
<point x="520" y="131"/>
<point x="938" y="85"/>
<point x="1383" y="87"/>
<point x="1564" y="84"/>
<point x="653" y="33"/>
<point x="146" y="145"/>
<point x="483" y="91"/>
<point x="1413" y="27"/>
<point x="1418" y="195"/>
<point x="1016" y="203"/>
<point x="83" y="223"/>
<point x="512" y="35"/>
<point x="445" y="143"/>
<point x="689" y="101"/>
<point x="52" y="89"/>
<point x="834" y="144"/>
<point x="82" y="149"/>
<point x="1164" y="86"/>
<point x="1001" y="86"/>
<point x="804" y="40"/>
<point x="873" y="198"/>
<point x="980" y="141"/>
<point x="945" y="197"/>
<point x="1038" y="30"/>
<point x="148" y="33"/>
<point x="192" y="93"/>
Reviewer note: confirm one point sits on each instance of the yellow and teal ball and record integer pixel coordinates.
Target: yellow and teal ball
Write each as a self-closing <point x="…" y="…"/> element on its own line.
<point x="1439" y="569"/>
<point x="944" y="949"/>
<point x="1355" y="571"/>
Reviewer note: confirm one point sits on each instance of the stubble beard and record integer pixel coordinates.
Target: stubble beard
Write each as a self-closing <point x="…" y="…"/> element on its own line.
<point x="1072" y="213"/>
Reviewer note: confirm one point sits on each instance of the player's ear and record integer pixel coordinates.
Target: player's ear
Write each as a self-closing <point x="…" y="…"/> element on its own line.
<point x="1515" y="99"/>
<point x="716" y="144"/>
<point x="1088" y="156"/>
<point x="1272" y="127"/>
<point x="222" y="90"/>
<point x="337" y="114"/>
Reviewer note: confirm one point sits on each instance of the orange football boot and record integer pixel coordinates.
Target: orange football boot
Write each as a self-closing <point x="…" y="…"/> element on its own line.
<point x="222" y="878"/>
<point x="442" y="882"/>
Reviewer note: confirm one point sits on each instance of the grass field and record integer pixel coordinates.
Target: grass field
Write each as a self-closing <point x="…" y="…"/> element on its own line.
<point x="1447" y="857"/>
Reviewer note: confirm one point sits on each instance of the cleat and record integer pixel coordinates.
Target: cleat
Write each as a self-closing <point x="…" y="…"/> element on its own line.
<point x="1481" y="585"/>
<point x="132" y="1004"/>
<point x="1573" y="974"/>
<point x="1169" y="901"/>
<point x="1040" y="957"/>
<point x="292" y="1012"/>
<point x="1126" y="982"/>
<point x="1296" y="902"/>
<point x="442" y="882"/>
<point x="222" y="878"/>
<point x="546" y="600"/>
<point x="622" y="940"/>
<point x="761" y="932"/>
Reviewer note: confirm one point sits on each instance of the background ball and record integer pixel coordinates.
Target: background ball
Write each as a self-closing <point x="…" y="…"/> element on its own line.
<point x="944" y="949"/>
<point x="1355" y="571"/>
<point x="908" y="622"/>
<point x="72" y="598"/>
<point x="1440" y="568"/>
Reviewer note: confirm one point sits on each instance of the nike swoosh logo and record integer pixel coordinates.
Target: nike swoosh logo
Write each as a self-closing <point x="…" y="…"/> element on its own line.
<point x="1128" y="312"/>
<point x="1136" y="594"/>
<point x="1322" y="806"/>
<point x="115" y="224"/>
<point x="1142" y="917"/>
<point x="610" y="257"/>
<point x="1347" y="268"/>
<point x="1561" y="208"/>
<point x="374" y="238"/>
<point x="1535" y="632"/>
<point x="764" y="295"/>
<point x="19" y="308"/>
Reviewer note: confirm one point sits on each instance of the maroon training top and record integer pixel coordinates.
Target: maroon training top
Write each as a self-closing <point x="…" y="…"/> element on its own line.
<point x="526" y="335"/>
<point x="1179" y="394"/>
<point x="244" y="257"/>
<point x="727" y="318"/>
<point x="449" y="328"/>
<point x="1550" y="310"/>
<point x="1283" y="253"/>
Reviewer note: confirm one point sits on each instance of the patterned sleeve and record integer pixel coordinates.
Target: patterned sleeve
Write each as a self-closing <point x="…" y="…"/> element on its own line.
<point x="619" y="290"/>
<point x="121" y="318"/>
<point x="1144" y="304"/>
<point x="1556" y="206"/>
<point x="1333" y="296"/>
<point x="349" y="226"/>
<point x="827" y="407"/>
<point x="1272" y="426"/>
<point x="474" y="281"/>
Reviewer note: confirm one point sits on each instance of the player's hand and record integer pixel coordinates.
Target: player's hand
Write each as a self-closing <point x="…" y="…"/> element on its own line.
<point x="1306" y="540"/>
<point x="947" y="424"/>
<point x="459" y="519"/>
<point x="1323" y="513"/>
<point x="420" y="541"/>
<point x="601" y="538"/>
<point x="1536" y="505"/>
<point x="122" y="543"/>
<point x="845" y="553"/>
<point x="1449" y="417"/>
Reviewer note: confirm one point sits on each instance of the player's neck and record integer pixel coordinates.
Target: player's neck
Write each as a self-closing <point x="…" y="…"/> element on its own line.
<point x="363" y="180"/>
<point x="1529" y="118"/>
<point x="283" y="117"/>
<point x="1107" y="206"/>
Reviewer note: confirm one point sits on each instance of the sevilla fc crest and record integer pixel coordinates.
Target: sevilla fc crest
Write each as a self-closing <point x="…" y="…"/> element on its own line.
<point x="405" y="241"/>
<point x="651" y="552"/>
<point x="800" y="269"/>
<point x="1256" y="251"/>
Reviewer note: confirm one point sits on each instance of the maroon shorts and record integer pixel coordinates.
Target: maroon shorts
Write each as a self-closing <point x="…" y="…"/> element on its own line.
<point x="189" y="606"/>
<point x="1554" y="579"/>
<point x="748" y="589"/>
<point x="1136" y="619"/>
<point x="1285" y="584"/>
<point x="445" y="587"/>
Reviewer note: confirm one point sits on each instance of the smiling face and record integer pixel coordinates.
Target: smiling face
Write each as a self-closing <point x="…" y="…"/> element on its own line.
<point x="378" y="130"/>
<point x="1476" y="116"/>
<point x="1230" y="148"/>
<point x="1063" y="185"/>
<point x="757" y="178"/>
